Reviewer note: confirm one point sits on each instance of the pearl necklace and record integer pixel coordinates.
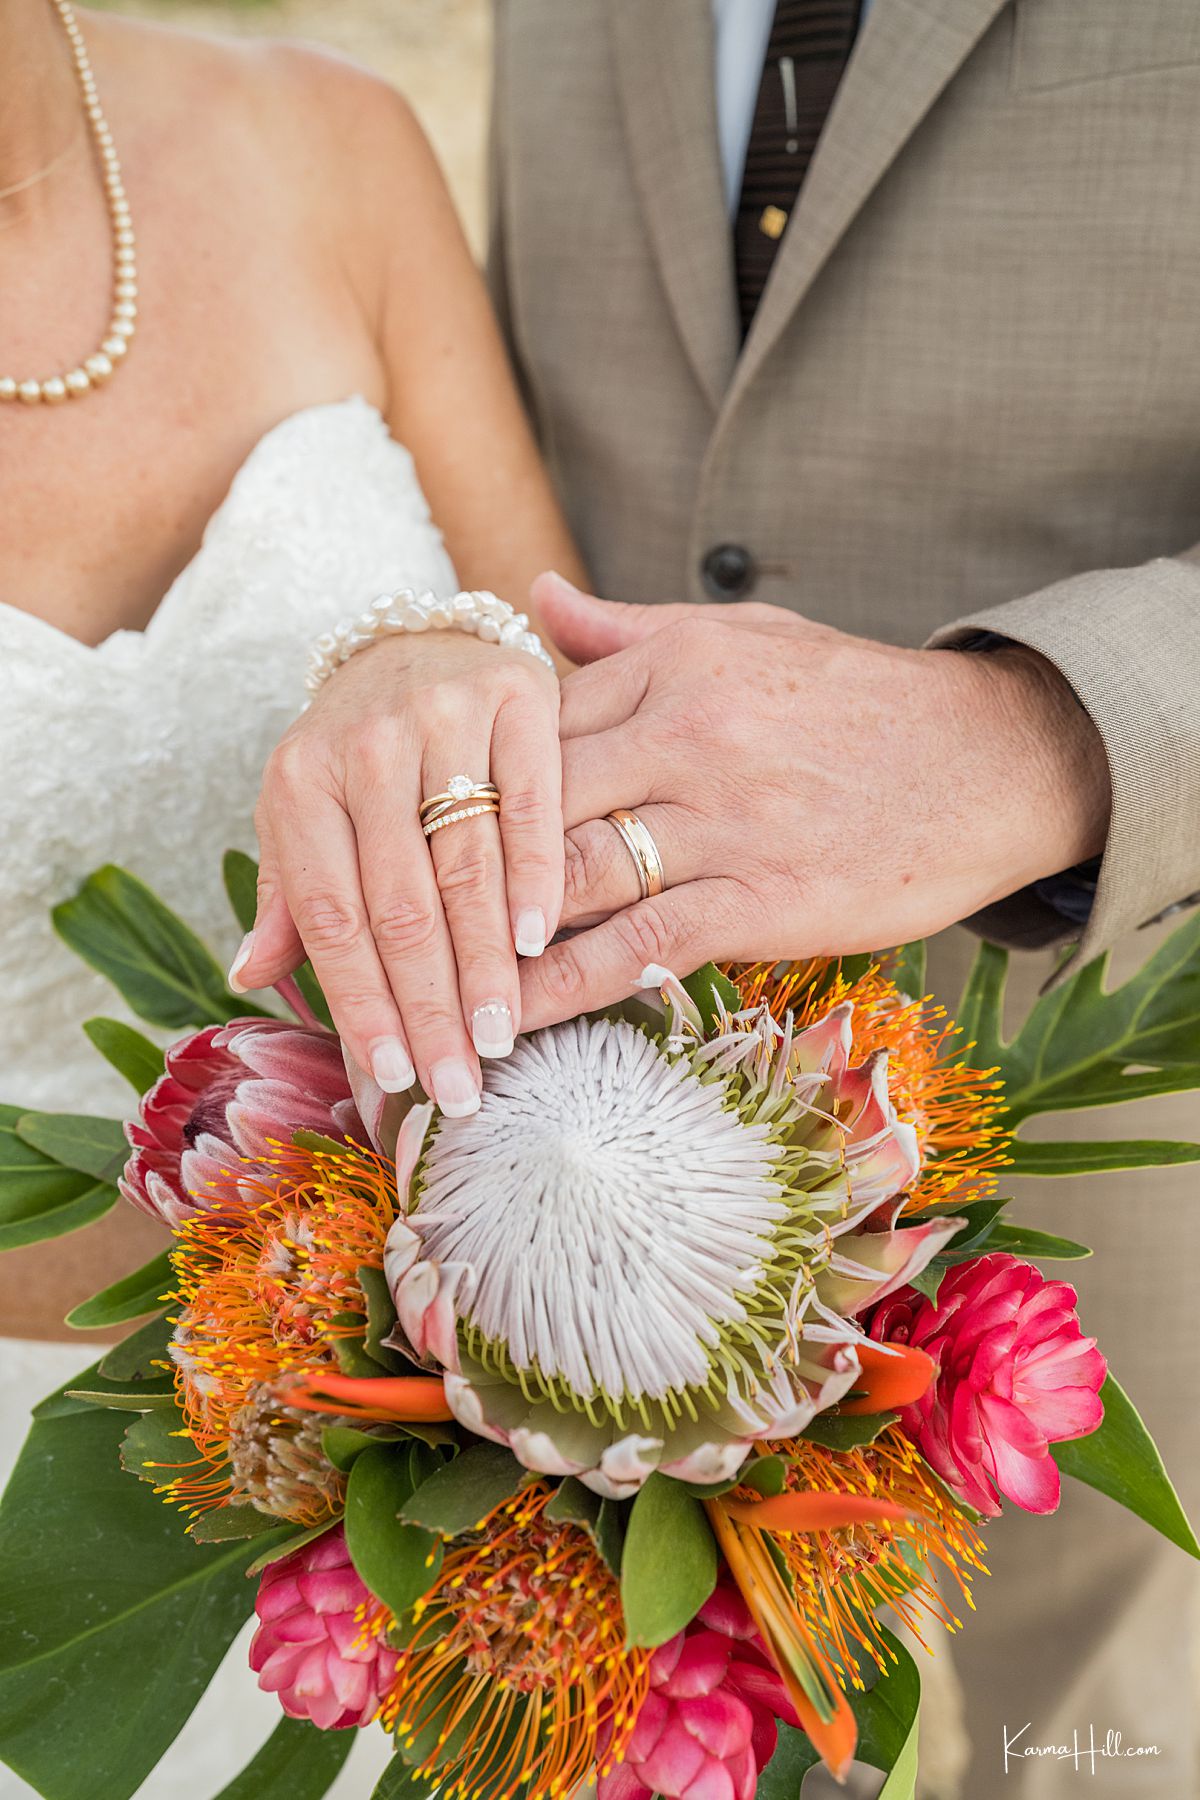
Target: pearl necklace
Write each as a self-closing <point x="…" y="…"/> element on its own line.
<point x="97" y="369"/>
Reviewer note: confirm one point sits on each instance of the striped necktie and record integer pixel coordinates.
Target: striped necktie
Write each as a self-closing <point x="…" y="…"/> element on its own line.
<point x="808" y="50"/>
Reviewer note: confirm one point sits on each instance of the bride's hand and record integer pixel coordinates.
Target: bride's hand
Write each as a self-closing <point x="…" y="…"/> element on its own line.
<point x="414" y="940"/>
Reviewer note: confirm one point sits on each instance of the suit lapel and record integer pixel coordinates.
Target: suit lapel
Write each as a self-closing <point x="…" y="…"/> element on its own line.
<point x="664" y="62"/>
<point x="906" y="55"/>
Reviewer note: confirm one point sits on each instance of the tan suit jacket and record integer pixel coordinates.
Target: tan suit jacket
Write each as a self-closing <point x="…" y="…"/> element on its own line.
<point x="971" y="395"/>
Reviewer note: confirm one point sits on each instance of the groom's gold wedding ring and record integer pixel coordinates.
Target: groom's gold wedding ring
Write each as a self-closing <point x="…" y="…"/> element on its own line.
<point x="642" y="848"/>
<point x="463" y="799"/>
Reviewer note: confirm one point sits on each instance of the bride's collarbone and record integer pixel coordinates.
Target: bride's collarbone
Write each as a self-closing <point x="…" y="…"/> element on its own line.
<point x="245" y="317"/>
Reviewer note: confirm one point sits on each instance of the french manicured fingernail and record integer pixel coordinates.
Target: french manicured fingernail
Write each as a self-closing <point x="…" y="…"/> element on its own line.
<point x="530" y="936"/>
<point x="492" y="1028"/>
<point x="454" y="1088"/>
<point x="391" y="1065"/>
<point x="244" y="952"/>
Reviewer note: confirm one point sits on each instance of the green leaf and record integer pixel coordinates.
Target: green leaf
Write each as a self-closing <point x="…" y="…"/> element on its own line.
<point x="100" y="1588"/>
<point x="316" y="1140"/>
<point x="1083" y="1045"/>
<point x="91" y="1203"/>
<point x="767" y="1475"/>
<point x="905" y="965"/>
<point x="131" y="1054"/>
<point x="978" y="1218"/>
<point x="297" y="1762"/>
<point x="241" y="884"/>
<point x="142" y="1355"/>
<point x="95" y="1147"/>
<point x="930" y="1279"/>
<point x="1121" y="1459"/>
<point x="703" y="987"/>
<point x="39" y="1198"/>
<point x="240" y="875"/>
<point x="1021" y="1240"/>
<point x="381" y="1317"/>
<point x="155" y="1446"/>
<point x="901" y="1783"/>
<point x="286" y="1545"/>
<point x="352" y="1358"/>
<point x="460" y="1495"/>
<point x="399" y="1782"/>
<point x="887" y="1716"/>
<point x="783" y="1777"/>
<point x="1098" y="1157"/>
<point x="225" y="1523"/>
<point x="139" y="1400"/>
<point x="398" y="1561"/>
<point x="669" y="1568"/>
<point x="601" y="1519"/>
<point x="92" y="1388"/>
<point x="343" y="1444"/>
<point x="981" y="1008"/>
<point x="159" y="966"/>
<point x="847" y="1433"/>
<point x="130" y="1298"/>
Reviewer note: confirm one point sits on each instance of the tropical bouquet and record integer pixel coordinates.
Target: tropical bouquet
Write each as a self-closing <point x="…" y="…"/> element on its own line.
<point x="628" y="1431"/>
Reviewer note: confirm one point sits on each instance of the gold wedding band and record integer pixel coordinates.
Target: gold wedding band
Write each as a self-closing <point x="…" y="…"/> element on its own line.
<point x="642" y="848"/>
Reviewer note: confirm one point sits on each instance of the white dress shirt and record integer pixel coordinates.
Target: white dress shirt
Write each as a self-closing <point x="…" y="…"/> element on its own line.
<point x="743" y="30"/>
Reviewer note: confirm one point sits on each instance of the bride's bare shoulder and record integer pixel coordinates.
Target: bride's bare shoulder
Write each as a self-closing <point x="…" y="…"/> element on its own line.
<point x="306" y="115"/>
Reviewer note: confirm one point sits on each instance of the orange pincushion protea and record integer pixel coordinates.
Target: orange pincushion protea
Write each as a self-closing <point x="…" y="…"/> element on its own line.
<point x="854" y="1530"/>
<point x="266" y="1290"/>
<point x="515" y="1670"/>
<point x="955" y="1109"/>
<point x="841" y="1577"/>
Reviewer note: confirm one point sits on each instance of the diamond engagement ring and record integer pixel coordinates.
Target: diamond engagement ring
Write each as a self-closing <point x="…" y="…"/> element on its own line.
<point x="462" y="798"/>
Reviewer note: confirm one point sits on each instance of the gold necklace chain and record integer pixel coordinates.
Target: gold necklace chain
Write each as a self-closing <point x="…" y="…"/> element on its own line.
<point x="95" y="370"/>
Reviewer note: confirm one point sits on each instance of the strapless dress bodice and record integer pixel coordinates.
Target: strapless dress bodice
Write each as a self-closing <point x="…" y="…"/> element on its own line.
<point x="147" y="749"/>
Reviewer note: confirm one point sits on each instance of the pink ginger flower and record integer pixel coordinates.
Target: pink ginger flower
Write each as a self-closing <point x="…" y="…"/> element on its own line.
<point x="311" y="1647"/>
<point x="709" y="1723"/>
<point x="1015" y="1375"/>
<point x="226" y="1092"/>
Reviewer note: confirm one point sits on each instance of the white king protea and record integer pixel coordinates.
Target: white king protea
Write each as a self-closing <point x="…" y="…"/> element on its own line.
<point x="645" y="1249"/>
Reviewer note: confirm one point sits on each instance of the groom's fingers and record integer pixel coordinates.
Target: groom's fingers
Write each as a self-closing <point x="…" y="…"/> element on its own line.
<point x="586" y="628"/>
<point x="680" y="929"/>
<point x="602" y="877"/>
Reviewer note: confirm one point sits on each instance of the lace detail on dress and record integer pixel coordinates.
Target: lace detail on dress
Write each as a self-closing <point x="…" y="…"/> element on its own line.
<point x="147" y="750"/>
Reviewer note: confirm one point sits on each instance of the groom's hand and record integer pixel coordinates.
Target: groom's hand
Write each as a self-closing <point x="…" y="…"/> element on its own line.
<point x="809" y="792"/>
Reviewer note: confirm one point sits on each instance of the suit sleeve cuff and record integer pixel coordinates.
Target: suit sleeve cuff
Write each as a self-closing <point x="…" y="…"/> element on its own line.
<point x="1127" y="641"/>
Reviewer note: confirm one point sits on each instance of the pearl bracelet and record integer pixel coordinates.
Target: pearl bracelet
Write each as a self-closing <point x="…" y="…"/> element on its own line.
<point x="484" y="615"/>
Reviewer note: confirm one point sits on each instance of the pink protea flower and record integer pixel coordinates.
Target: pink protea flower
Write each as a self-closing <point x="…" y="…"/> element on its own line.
<point x="1015" y="1375"/>
<point x="709" y="1723"/>
<point x="313" y="1647"/>
<point x="225" y="1093"/>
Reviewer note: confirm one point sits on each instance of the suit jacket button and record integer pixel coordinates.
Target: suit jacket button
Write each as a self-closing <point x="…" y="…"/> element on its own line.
<point x="728" y="571"/>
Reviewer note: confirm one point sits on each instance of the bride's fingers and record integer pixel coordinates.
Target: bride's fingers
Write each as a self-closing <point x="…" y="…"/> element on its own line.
<point x="602" y="876"/>
<point x="271" y="948"/>
<point x="410" y="934"/>
<point x="468" y="863"/>
<point x="319" y="874"/>
<point x="527" y="769"/>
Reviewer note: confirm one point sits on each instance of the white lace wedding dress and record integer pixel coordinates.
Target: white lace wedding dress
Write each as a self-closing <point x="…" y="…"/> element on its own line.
<point x="147" y="751"/>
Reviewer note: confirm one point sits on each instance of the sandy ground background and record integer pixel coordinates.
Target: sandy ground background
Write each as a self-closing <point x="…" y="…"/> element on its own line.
<point x="437" y="52"/>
